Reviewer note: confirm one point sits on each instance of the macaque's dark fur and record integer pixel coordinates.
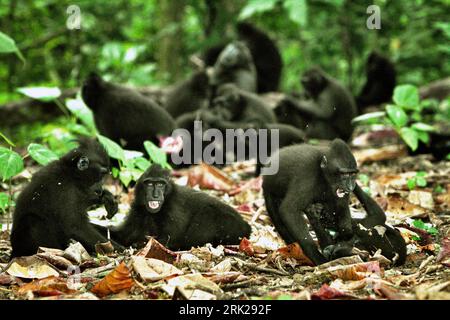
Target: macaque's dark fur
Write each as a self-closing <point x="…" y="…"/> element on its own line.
<point x="380" y="82"/>
<point x="121" y="113"/>
<point x="52" y="209"/>
<point x="189" y="95"/>
<point x="187" y="218"/>
<point x="310" y="176"/>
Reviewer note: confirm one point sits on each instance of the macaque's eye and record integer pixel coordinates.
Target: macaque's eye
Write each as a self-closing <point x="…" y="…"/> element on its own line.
<point x="160" y="185"/>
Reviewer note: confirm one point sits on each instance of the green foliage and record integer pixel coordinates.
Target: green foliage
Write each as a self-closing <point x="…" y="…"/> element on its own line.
<point x="407" y="116"/>
<point x="11" y="163"/>
<point x="112" y="148"/>
<point x="82" y="112"/>
<point x="41" y="154"/>
<point x="4" y="202"/>
<point x="8" y="45"/>
<point x="41" y="93"/>
<point x="407" y="97"/>
<point x="156" y="154"/>
<point x="418" y="180"/>
<point x="256" y="6"/>
<point x="428" y="227"/>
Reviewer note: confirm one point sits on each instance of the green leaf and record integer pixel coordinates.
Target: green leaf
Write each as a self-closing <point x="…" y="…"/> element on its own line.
<point x="115" y="172"/>
<point x="423" y="127"/>
<point x="421" y="182"/>
<point x="126" y="176"/>
<point x="421" y="174"/>
<point x="423" y="136"/>
<point x="8" y="45"/>
<point x="411" y="183"/>
<point x="82" y="112"/>
<point x="364" y="178"/>
<point x="439" y="189"/>
<point x="407" y="96"/>
<point x="298" y="11"/>
<point x="410" y="137"/>
<point x="4" y="201"/>
<point x="256" y="6"/>
<point x="114" y="150"/>
<point x="397" y="115"/>
<point x="11" y="163"/>
<point x="41" y="93"/>
<point x="155" y="153"/>
<point x="142" y="163"/>
<point x="369" y="117"/>
<point x="419" y="224"/>
<point x="41" y="154"/>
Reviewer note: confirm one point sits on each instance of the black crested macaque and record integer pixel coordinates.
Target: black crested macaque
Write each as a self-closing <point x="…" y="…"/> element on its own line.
<point x="370" y="233"/>
<point x="266" y="56"/>
<point x="265" y="53"/>
<point x="235" y="65"/>
<point x="52" y="209"/>
<point x="327" y="107"/>
<point x="308" y="175"/>
<point x="179" y="217"/>
<point x="380" y="82"/>
<point x="189" y="95"/>
<point x="237" y="108"/>
<point x="121" y="113"/>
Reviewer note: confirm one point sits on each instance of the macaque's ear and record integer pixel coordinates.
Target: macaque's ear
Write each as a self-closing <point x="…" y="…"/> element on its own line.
<point x="83" y="163"/>
<point x="324" y="162"/>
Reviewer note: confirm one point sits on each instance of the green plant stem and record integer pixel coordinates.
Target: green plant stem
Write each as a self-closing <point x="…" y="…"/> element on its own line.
<point x="62" y="107"/>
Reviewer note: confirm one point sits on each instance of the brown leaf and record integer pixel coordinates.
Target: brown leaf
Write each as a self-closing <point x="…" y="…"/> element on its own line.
<point x="154" y="249"/>
<point x="246" y="247"/>
<point x="356" y="271"/>
<point x="379" y="154"/>
<point x="116" y="281"/>
<point x="444" y="255"/>
<point x="294" y="251"/>
<point x="254" y="184"/>
<point x="153" y="269"/>
<point x="402" y="209"/>
<point x="326" y="292"/>
<point x="31" y="267"/>
<point x="51" y="286"/>
<point x="56" y="260"/>
<point x="209" y="177"/>
<point x="104" y="248"/>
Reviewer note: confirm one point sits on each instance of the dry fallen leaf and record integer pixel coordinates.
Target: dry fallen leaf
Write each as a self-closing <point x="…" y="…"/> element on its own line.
<point x="444" y="255"/>
<point x="31" y="267"/>
<point x="50" y="286"/>
<point x="356" y="271"/>
<point x="295" y="251"/>
<point x="116" y="281"/>
<point x="154" y="249"/>
<point x="379" y="154"/>
<point x="209" y="177"/>
<point x="76" y="253"/>
<point x="153" y="269"/>
<point x="326" y="292"/>
<point x="246" y="247"/>
<point x="190" y="284"/>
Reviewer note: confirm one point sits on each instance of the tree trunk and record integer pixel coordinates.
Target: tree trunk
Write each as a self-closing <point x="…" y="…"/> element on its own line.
<point x="169" y="50"/>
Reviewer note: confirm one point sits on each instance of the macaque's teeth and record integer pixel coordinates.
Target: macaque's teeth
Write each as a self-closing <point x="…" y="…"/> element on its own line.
<point x="154" y="204"/>
<point x="340" y="193"/>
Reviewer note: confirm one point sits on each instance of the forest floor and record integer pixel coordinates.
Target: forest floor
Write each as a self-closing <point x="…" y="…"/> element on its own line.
<point x="261" y="267"/>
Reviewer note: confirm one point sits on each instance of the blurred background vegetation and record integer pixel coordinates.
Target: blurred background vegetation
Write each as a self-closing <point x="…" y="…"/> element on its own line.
<point x="150" y="42"/>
